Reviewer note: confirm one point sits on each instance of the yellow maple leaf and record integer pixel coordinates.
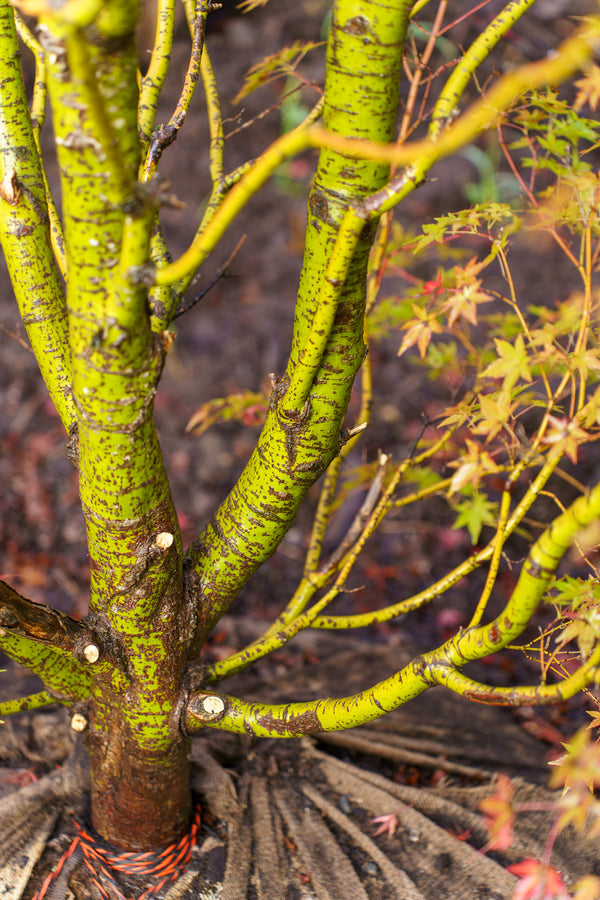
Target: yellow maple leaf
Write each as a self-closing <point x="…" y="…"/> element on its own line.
<point x="471" y="467"/>
<point x="588" y="89"/>
<point x="511" y="363"/>
<point x="419" y="331"/>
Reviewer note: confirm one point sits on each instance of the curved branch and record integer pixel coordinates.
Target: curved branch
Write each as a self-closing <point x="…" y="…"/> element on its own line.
<point x="471" y="60"/>
<point x="438" y="666"/>
<point x="296" y="719"/>
<point x="206" y="241"/>
<point x="536" y="574"/>
<point x="285" y="720"/>
<point x="25" y="232"/>
<point x="525" y="695"/>
<point x="226" y="182"/>
<point x="419" y="156"/>
<point x="62" y="674"/>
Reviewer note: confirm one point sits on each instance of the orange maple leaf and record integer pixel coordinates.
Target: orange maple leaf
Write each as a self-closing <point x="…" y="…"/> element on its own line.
<point x="499" y="814"/>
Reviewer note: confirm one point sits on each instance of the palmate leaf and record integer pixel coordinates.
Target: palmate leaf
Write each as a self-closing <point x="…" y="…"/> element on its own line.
<point x="499" y="814"/>
<point x="388" y="314"/>
<point x="441" y="359"/>
<point x="419" y="331"/>
<point x="471" y="467"/>
<point x="560" y="318"/>
<point x="577" y="774"/>
<point x="581" y="599"/>
<point x="495" y="411"/>
<point x="284" y="62"/>
<point x="248" y="408"/>
<point x="569" y="431"/>
<point x="511" y="364"/>
<point x="481" y="218"/>
<point x="462" y="302"/>
<point x="474" y="513"/>
<point x="538" y="881"/>
<point x="569" y="591"/>
<point x="547" y="112"/>
<point x="588" y="89"/>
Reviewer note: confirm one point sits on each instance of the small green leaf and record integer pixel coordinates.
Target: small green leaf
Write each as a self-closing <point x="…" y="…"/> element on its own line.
<point x="511" y="363"/>
<point x="474" y="513"/>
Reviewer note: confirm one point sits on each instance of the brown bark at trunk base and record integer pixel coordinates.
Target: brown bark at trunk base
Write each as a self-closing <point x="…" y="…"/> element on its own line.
<point x="139" y="803"/>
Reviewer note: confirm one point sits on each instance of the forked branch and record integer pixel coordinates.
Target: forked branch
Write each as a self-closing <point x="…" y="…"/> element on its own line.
<point x="440" y="666"/>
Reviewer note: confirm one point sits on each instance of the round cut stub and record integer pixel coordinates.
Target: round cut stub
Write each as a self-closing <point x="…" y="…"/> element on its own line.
<point x="91" y="653"/>
<point x="163" y="540"/>
<point x="78" y="722"/>
<point x="213" y="705"/>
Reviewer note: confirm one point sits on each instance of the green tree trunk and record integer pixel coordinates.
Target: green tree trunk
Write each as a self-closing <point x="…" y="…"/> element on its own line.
<point x="138" y="754"/>
<point x="143" y="626"/>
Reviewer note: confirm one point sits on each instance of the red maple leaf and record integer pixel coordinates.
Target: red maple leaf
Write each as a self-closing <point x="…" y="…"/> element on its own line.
<point x="388" y="822"/>
<point x="538" y="881"/>
<point x="499" y="814"/>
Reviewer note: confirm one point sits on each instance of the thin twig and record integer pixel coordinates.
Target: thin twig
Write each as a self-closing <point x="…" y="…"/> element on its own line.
<point x="220" y="273"/>
<point x="276" y="105"/>
<point x="362" y="516"/>
<point x="166" y="134"/>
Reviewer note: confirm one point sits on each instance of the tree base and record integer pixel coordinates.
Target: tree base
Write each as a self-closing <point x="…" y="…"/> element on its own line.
<point x="293" y="819"/>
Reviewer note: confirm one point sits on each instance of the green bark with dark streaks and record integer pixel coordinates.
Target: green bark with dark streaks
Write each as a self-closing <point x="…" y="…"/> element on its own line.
<point x="364" y="64"/>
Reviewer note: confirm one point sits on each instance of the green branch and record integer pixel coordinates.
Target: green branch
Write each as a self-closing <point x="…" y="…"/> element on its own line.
<point x="154" y="79"/>
<point x="33" y="701"/>
<point x="24" y="229"/>
<point x="215" y="120"/>
<point x="362" y="620"/>
<point x="206" y="241"/>
<point x="166" y="134"/>
<point x="524" y="695"/>
<point x="332" y="286"/>
<point x="471" y="60"/>
<point x="296" y="445"/>
<point x="571" y="57"/>
<point x="420" y="156"/>
<point x="285" y="720"/>
<point x="38" y="117"/>
<point x="440" y="666"/>
<point x="132" y="529"/>
<point x="536" y="575"/>
<point x="296" y="719"/>
<point x="62" y="674"/>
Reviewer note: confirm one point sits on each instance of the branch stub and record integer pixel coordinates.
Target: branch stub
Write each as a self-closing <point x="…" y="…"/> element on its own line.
<point x="163" y="540"/>
<point x="207" y="707"/>
<point x="78" y="722"/>
<point x="10" y="190"/>
<point x="213" y="705"/>
<point x="91" y="653"/>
